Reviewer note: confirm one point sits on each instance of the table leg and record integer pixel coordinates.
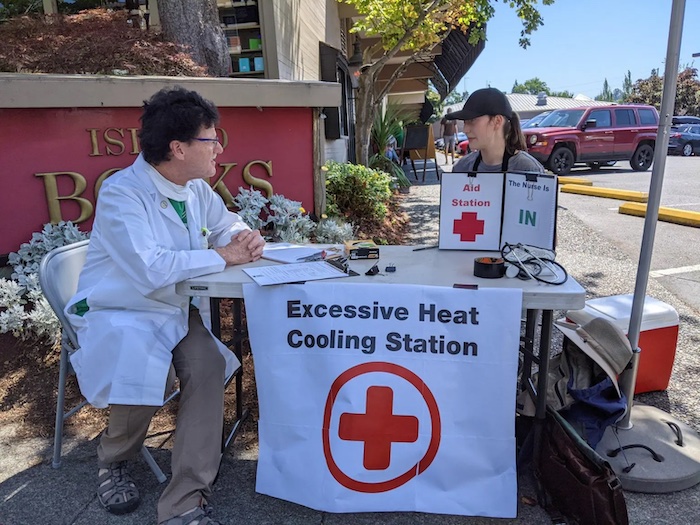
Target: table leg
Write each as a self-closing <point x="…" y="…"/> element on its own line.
<point x="541" y="401"/>
<point x="541" y="359"/>
<point x="528" y="344"/>
<point x="545" y="347"/>
<point x="237" y="342"/>
<point x="526" y="383"/>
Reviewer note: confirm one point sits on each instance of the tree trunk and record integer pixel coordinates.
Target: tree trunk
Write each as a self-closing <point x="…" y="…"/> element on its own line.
<point x="195" y="24"/>
<point x="364" y="107"/>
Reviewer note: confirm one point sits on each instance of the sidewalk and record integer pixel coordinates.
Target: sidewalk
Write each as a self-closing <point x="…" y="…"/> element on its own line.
<point x="31" y="492"/>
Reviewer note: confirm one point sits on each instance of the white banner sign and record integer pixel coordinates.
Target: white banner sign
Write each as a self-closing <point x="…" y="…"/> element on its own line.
<point x="378" y="397"/>
<point x="485" y="211"/>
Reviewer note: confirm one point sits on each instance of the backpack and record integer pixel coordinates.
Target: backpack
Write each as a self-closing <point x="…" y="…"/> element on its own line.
<point x="577" y="483"/>
<point x="580" y="390"/>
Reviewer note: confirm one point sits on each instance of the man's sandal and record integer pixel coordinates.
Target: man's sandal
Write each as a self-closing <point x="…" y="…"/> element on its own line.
<point x="196" y="516"/>
<point x="117" y="491"/>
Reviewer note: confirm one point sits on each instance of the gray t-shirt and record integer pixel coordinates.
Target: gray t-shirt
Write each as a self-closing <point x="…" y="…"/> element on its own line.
<point x="520" y="162"/>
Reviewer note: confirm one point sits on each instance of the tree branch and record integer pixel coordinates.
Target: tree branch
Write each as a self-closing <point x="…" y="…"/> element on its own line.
<point x="379" y="64"/>
<point x="396" y="75"/>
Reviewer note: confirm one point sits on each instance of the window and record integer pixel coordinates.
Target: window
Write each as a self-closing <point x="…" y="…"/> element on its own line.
<point x="647" y="117"/>
<point x="334" y="69"/>
<point x="562" y="118"/>
<point x="601" y="117"/>
<point x="625" y="118"/>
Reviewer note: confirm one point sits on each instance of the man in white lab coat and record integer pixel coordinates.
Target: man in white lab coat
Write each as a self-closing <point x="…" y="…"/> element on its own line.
<point x="159" y="222"/>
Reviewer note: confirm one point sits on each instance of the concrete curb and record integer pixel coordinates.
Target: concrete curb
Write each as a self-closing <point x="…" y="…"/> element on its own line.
<point x="608" y="193"/>
<point x="674" y="215"/>
<point x="574" y="180"/>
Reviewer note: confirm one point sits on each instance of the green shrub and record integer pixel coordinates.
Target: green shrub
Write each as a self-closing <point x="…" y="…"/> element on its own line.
<point x="380" y="162"/>
<point x="358" y="193"/>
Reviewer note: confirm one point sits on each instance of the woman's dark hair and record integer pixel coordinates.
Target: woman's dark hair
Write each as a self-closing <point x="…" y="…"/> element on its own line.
<point x="515" y="140"/>
<point x="173" y="114"/>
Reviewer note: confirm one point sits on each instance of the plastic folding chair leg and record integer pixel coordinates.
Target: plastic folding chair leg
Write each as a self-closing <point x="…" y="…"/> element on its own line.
<point x="153" y="465"/>
<point x="58" y="428"/>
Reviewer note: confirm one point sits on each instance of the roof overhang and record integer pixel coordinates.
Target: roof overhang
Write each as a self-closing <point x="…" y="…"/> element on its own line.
<point x="444" y="65"/>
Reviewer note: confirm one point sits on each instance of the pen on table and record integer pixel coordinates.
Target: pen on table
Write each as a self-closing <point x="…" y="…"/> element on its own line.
<point x="425" y="248"/>
<point x="315" y="257"/>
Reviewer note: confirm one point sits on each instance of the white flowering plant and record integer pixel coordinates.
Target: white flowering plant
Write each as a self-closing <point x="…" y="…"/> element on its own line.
<point x="285" y="220"/>
<point x="252" y="207"/>
<point x="24" y="311"/>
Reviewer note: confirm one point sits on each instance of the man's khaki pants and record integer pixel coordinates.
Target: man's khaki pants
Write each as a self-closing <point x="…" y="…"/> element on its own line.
<point x="196" y="451"/>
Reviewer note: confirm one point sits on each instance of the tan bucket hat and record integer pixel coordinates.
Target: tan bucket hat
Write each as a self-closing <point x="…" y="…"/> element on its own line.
<point x="603" y="342"/>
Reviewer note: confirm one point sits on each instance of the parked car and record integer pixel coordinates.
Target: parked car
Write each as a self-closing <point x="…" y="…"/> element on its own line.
<point x="463" y="147"/>
<point x="440" y="143"/>
<point x="684" y="140"/>
<point x="595" y="135"/>
<point x="677" y="120"/>
<point x="535" y="121"/>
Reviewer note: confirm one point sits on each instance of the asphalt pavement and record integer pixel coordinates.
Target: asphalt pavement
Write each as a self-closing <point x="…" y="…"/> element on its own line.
<point x="31" y="492"/>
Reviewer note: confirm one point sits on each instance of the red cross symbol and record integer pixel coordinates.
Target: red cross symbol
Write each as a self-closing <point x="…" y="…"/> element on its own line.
<point x="468" y="227"/>
<point x="378" y="428"/>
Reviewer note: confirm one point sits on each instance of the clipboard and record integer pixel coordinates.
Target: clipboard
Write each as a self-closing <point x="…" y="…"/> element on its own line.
<point x="297" y="272"/>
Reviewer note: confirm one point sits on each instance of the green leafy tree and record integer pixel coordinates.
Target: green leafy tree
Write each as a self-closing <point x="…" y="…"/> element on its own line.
<point x="627" y="86"/>
<point x="607" y="93"/>
<point x="563" y="94"/>
<point x="455" y="98"/>
<point x="534" y="86"/>
<point x="648" y="90"/>
<point x="688" y="93"/>
<point x="436" y="101"/>
<point x="417" y="26"/>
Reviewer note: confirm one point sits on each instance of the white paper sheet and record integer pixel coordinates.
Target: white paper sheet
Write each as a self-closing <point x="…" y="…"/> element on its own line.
<point x="285" y="252"/>
<point x="294" y="273"/>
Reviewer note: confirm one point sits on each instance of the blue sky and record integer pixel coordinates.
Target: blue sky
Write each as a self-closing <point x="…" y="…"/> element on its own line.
<point x="581" y="43"/>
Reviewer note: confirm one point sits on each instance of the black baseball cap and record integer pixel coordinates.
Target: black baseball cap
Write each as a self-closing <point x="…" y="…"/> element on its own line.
<point x="486" y="101"/>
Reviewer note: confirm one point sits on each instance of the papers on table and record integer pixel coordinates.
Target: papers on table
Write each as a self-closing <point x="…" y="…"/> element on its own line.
<point x="294" y="272"/>
<point x="285" y="252"/>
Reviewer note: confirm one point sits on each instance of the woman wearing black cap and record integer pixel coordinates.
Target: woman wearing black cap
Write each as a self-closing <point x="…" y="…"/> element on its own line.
<point x="493" y="129"/>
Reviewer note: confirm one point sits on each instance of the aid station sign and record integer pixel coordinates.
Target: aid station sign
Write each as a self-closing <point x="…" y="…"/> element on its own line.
<point x="482" y="211"/>
<point x="386" y="397"/>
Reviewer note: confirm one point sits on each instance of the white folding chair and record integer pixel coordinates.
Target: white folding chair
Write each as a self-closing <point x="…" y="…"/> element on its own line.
<point x="58" y="277"/>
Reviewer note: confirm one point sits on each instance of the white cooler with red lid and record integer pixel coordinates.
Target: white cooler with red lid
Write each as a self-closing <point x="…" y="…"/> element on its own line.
<point x="657" y="338"/>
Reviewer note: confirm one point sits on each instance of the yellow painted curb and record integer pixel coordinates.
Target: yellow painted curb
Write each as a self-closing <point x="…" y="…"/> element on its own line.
<point x="574" y="180"/>
<point x="608" y="193"/>
<point x="687" y="218"/>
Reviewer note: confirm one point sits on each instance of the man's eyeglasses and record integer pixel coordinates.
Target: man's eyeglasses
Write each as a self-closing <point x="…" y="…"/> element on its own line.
<point x="212" y="141"/>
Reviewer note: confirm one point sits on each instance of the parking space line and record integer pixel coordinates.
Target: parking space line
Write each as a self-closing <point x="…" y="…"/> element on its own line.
<point x="675" y="271"/>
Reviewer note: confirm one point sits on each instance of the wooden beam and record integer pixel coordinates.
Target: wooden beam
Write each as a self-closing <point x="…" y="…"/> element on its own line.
<point x="405" y="85"/>
<point x="417" y="70"/>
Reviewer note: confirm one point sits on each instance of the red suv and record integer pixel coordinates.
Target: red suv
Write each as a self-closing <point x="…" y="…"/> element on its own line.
<point x="595" y="135"/>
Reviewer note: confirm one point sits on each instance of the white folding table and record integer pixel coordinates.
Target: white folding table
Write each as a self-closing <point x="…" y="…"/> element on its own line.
<point x="429" y="267"/>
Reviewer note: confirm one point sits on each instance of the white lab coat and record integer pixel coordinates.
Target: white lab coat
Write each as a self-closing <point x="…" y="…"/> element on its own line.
<point x="139" y="249"/>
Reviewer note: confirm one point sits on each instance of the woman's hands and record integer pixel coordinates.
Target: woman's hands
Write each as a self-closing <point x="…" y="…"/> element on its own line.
<point x="245" y="246"/>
